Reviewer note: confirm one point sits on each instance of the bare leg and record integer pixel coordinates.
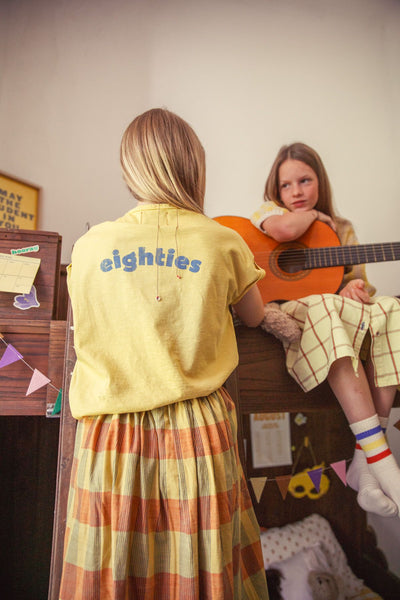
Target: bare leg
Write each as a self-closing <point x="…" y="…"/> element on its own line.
<point x="352" y="391"/>
<point x="354" y="395"/>
<point x="383" y="397"/>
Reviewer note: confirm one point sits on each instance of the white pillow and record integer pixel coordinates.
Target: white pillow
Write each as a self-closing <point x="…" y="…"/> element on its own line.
<point x="295" y="572"/>
<point x="280" y="543"/>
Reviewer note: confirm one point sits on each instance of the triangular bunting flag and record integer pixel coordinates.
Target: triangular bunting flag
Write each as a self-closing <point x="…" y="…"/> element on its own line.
<point x="258" y="484"/>
<point x="340" y="469"/>
<point x="315" y="476"/>
<point x="10" y="355"/>
<point x="397" y="425"/>
<point x="38" y="380"/>
<point x="283" y="484"/>
<point x="57" y="406"/>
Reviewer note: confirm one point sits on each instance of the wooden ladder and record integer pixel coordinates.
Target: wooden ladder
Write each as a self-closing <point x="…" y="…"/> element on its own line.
<point x="64" y="465"/>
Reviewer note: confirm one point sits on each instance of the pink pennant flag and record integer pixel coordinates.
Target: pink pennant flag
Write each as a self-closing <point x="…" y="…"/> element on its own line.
<point x="38" y="380"/>
<point x="10" y="355"/>
<point x="340" y="469"/>
<point x="315" y="476"/>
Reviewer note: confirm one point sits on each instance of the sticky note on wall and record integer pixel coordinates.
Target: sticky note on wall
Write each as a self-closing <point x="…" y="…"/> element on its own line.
<point x="17" y="273"/>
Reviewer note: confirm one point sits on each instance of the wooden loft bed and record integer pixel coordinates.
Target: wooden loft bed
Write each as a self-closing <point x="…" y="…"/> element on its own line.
<point x="261" y="384"/>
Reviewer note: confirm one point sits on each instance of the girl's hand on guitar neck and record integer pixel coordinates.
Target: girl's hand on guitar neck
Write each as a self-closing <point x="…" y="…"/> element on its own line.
<point x="355" y="290"/>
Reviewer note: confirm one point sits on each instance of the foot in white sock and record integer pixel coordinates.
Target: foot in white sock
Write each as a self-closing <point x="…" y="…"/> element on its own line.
<point x="380" y="461"/>
<point x="357" y="466"/>
<point x="370" y="496"/>
<point x="387" y="473"/>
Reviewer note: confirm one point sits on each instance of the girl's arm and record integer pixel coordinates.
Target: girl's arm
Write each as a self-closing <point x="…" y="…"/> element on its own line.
<point x="291" y="225"/>
<point x="250" y="309"/>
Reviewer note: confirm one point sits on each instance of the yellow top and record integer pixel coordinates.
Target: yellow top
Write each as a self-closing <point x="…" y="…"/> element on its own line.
<point x="135" y="352"/>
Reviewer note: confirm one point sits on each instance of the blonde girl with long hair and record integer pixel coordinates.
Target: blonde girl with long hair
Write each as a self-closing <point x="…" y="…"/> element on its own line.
<point x="158" y="505"/>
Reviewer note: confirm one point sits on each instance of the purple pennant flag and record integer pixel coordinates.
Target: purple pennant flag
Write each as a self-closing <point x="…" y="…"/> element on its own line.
<point x="10" y="355"/>
<point x="315" y="476"/>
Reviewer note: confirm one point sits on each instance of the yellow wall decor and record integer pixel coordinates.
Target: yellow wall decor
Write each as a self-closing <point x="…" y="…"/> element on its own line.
<point x="19" y="203"/>
<point x="301" y="485"/>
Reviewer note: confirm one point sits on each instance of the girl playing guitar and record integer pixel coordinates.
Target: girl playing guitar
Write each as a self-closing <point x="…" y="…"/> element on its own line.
<point x="338" y="329"/>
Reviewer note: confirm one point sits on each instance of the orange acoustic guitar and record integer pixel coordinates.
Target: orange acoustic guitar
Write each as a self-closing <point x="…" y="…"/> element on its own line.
<point x="313" y="264"/>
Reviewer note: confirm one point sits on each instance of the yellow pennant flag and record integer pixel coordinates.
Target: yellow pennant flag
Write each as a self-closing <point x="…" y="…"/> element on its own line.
<point x="258" y="484"/>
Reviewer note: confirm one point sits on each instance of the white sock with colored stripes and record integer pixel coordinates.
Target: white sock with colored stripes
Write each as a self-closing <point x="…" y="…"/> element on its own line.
<point x="381" y="464"/>
<point x="370" y="496"/>
<point x="359" y="465"/>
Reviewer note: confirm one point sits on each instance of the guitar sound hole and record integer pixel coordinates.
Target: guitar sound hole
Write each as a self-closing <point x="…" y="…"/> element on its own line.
<point x="292" y="261"/>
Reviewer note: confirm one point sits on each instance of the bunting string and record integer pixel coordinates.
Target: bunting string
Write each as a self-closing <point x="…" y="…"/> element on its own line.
<point x="339" y="467"/>
<point x="38" y="379"/>
<point x="314" y="473"/>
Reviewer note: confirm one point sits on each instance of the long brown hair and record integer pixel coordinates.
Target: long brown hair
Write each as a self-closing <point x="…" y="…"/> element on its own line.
<point x="163" y="160"/>
<point x="306" y="154"/>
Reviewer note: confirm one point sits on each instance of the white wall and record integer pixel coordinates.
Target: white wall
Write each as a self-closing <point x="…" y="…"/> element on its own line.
<point x="249" y="75"/>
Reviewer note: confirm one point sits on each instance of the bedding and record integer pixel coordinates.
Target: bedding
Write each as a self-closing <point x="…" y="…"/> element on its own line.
<point x="306" y="546"/>
<point x="307" y="576"/>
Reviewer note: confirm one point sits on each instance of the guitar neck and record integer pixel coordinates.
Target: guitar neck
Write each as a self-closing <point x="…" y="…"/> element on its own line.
<point x="339" y="256"/>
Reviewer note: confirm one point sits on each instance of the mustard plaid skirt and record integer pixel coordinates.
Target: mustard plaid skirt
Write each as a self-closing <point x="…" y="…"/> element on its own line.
<point x="334" y="327"/>
<point x="159" y="508"/>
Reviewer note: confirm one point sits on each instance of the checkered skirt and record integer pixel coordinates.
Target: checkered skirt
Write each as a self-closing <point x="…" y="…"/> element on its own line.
<point x="159" y="508"/>
<point x="335" y="327"/>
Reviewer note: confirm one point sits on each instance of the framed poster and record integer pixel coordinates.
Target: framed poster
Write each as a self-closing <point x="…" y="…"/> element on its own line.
<point x="270" y="440"/>
<point x="19" y="203"/>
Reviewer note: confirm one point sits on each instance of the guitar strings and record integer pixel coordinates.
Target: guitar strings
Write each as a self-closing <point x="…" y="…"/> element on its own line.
<point x="370" y="248"/>
<point x="338" y="255"/>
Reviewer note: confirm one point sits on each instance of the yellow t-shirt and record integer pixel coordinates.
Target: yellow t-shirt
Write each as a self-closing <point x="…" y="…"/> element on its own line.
<point x="134" y="352"/>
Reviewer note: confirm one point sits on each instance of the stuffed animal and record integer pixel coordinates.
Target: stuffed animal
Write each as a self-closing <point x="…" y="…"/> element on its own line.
<point x="281" y="325"/>
<point x="323" y="586"/>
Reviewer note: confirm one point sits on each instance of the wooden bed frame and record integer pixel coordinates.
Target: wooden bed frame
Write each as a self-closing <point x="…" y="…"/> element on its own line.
<point x="261" y="384"/>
